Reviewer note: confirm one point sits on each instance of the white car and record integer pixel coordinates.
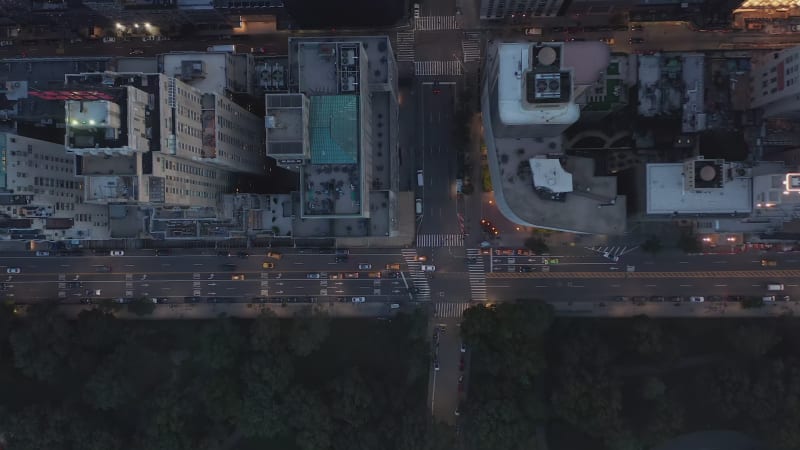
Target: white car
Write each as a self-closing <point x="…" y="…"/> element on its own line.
<point x="428" y="268"/>
<point x="149" y="38"/>
<point x="6" y="43"/>
<point x="117" y="253"/>
<point x="364" y="266"/>
<point x="13" y="270"/>
<point x="41" y="253"/>
<point x="109" y="40"/>
<point x="463" y="348"/>
<point x="359" y="299"/>
<point x="416" y="11"/>
<point x="313" y="276"/>
<point x="697" y="299"/>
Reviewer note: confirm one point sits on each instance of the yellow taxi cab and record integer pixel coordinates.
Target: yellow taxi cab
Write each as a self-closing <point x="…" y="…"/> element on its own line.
<point x="238" y="277"/>
<point x="768" y="263"/>
<point x="267" y="265"/>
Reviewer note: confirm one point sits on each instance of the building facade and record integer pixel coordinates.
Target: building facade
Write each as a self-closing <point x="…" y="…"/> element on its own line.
<point x="775" y="83"/>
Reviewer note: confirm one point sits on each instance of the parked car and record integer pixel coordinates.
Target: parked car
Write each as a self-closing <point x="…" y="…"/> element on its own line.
<point x="636" y="40"/>
<point x="6" y="43"/>
<point x="313" y="275"/>
<point x="229" y="267"/>
<point x="41" y="253"/>
<point x="427" y="268"/>
<point x="394" y="266"/>
<point x="267" y="265"/>
<point x="364" y="266"/>
<point x="117" y="253"/>
<point x="463" y="347"/>
<point x="136" y="52"/>
<point x="109" y="40"/>
<point x="274" y="255"/>
<point x="416" y="11"/>
<point x="351" y="275"/>
<point x="768" y="263"/>
<point x="13" y="270"/>
<point x="243" y="255"/>
<point x="697" y="299"/>
<point x="162" y="252"/>
<point x="358" y="299"/>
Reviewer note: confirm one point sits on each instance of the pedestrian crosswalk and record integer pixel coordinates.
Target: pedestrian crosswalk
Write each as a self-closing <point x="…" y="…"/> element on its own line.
<point x="612" y="252"/>
<point x="440" y="240"/>
<point x="477" y="275"/>
<point x="418" y="278"/>
<point x="432" y="23"/>
<point x="444" y="310"/>
<point x="471" y="47"/>
<point x="405" y="46"/>
<point x="438" y="68"/>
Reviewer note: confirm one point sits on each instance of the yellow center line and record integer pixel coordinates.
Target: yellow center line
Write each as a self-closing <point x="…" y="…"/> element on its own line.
<point x="778" y="274"/>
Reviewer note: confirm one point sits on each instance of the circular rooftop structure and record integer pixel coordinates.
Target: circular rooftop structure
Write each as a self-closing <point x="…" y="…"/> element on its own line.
<point x="546" y="56"/>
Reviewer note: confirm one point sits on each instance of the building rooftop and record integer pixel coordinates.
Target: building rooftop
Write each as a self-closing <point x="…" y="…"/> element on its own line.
<point x="334" y="129"/>
<point x="286" y="127"/>
<point x="667" y="193"/>
<point x="377" y="50"/>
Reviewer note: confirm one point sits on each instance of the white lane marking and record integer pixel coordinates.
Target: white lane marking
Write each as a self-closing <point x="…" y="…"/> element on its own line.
<point x="720" y="262"/>
<point x="197" y="264"/>
<point x="616" y="285"/>
<point x="541" y="286"/>
<point x="165" y="265"/>
<point x="65" y="265"/>
<point x="299" y="263"/>
<point x="756" y="285"/>
<point x="166" y="288"/>
<point x="792" y="285"/>
<point x="650" y="285"/>
<point x="686" y="285"/>
<point x="128" y="265"/>
<point x="720" y="285"/>
<point x="683" y="262"/>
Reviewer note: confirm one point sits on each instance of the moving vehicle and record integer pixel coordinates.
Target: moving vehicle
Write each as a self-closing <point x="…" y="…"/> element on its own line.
<point x="420" y="179"/>
<point x="608" y="40"/>
<point x="102" y="269"/>
<point x="274" y="255"/>
<point x="109" y="40"/>
<point x="533" y="31"/>
<point x="41" y="253"/>
<point x="162" y="252"/>
<point x="230" y="48"/>
<point x="351" y="275"/>
<point x="428" y="268"/>
<point x="13" y="270"/>
<point x="313" y="275"/>
<point x="374" y="275"/>
<point x="243" y="255"/>
<point x="229" y="267"/>
<point x="393" y="266"/>
<point x="6" y="43"/>
<point x="267" y="265"/>
<point x="697" y="299"/>
<point x="358" y="299"/>
<point x="774" y="286"/>
<point x="418" y="206"/>
<point x="117" y="253"/>
<point x="238" y="277"/>
<point x="417" y="12"/>
<point x="768" y="263"/>
<point x="136" y="52"/>
<point x="364" y="266"/>
<point x="636" y="40"/>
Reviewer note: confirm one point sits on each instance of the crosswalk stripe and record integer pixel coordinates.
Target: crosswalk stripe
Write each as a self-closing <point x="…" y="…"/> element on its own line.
<point x="438" y="68"/>
<point x="418" y="278"/>
<point x="440" y="240"/>
<point x="444" y="310"/>
<point x="477" y="275"/>
<point x="471" y="48"/>
<point x="405" y="46"/>
<point x="432" y="23"/>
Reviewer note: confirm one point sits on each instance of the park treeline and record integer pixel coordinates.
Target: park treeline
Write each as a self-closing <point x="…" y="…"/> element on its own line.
<point x="99" y="383"/>
<point x="626" y="384"/>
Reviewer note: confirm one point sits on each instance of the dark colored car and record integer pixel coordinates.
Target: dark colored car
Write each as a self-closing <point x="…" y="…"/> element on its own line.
<point x="636" y="40"/>
<point x="162" y="252"/>
<point x="223" y="253"/>
<point x="243" y="255"/>
<point x="229" y="267"/>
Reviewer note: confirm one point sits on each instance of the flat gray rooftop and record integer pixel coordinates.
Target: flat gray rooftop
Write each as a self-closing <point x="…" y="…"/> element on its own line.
<point x="593" y="206"/>
<point x="49" y="72"/>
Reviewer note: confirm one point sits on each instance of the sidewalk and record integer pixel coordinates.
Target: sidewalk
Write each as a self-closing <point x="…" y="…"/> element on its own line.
<point x="205" y="311"/>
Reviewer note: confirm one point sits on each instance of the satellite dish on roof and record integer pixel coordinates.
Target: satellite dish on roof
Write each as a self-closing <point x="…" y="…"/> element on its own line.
<point x="546" y="56"/>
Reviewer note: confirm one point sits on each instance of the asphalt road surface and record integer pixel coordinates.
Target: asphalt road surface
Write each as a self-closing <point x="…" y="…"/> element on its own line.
<point x="297" y="277"/>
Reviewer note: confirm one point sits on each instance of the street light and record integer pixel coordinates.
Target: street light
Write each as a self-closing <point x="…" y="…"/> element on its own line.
<point x="119" y="26"/>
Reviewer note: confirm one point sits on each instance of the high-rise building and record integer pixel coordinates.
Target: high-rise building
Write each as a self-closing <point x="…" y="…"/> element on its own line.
<point x="775" y="83"/>
<point x="151" y="139"/>
<point x="531" y="94"/>
<point x="338" y="128"/>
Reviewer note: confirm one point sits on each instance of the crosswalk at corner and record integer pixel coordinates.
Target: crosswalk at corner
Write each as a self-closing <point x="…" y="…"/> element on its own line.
<point x="444" y="310"/>
<point x="418" y="278"/>
<point x="405" y="46"/>
<point x="440" y="240"/>
<point x="471" y="47"/>
<point x="433" y="23"/>
<point x="477" y="275"/>
<point x="438" y="68"/>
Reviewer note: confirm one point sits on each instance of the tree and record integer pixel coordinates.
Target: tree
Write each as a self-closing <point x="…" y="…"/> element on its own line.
<point x="536" y="245"/>
<point x="752" y="302"/>
<point x="754" y="341"/>
<point x="307" y="333"/>
<point x="468" y="189"/>
<point x="41" y="344"/>
<point x="351" y="400"/>
<point x="141" y="307"/>
<point x="262" y="414"/>
<point x="653" y="388"/>
<point x="265" y="331"/>
<point x="499" y="424"/>
<point x="310" y="419"/>
<point x="652" y="245"/>
<point x="219" y="345"/>
<point x="646" y="336"/>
